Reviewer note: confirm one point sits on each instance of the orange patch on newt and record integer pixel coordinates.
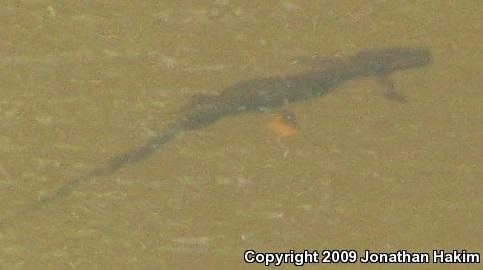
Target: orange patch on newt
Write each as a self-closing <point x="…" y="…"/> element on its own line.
<point x="284" y="124"/>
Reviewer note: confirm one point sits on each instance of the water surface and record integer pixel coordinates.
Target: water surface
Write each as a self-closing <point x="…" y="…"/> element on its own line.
<point x="82" y="83"/>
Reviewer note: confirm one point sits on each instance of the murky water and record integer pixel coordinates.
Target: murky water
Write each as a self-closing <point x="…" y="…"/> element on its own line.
<point x="84" y="82"/>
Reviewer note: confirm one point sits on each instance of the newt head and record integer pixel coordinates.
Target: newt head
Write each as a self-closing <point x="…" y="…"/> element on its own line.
<point x="387" y="60"/>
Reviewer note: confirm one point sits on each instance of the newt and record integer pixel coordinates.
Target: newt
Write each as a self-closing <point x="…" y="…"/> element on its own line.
<point x="258" y="95"/>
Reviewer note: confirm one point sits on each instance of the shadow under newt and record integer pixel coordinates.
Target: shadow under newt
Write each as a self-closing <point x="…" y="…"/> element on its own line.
<point x="258" y="94"/>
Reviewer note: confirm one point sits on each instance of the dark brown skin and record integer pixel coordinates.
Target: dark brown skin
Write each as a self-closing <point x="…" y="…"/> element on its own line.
<point x="254" y="95"/>
<point x="273" y="92"/>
